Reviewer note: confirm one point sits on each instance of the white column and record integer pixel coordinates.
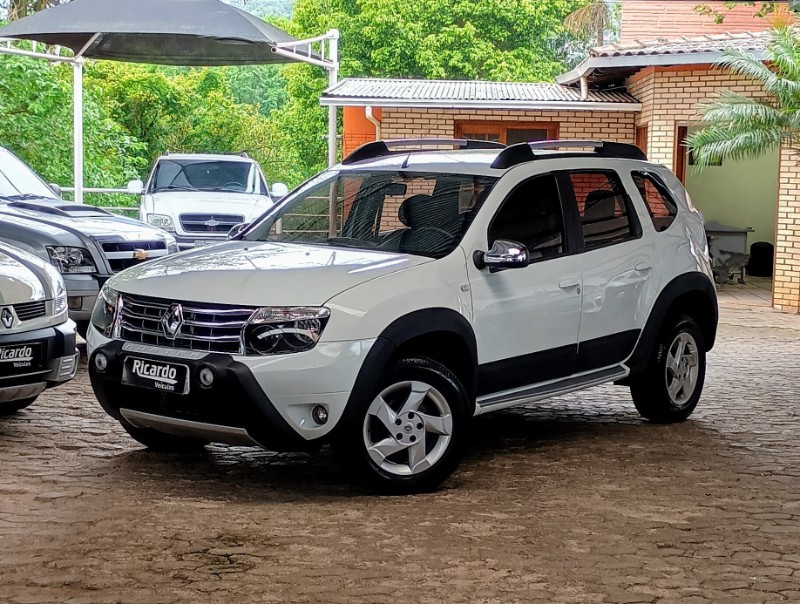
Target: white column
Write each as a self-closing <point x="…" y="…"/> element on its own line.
<point x="77" y="127"/>
<point x="333" y="130"/>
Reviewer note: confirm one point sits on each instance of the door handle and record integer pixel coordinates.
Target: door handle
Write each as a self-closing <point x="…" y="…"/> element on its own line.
<point x="569" y="284"/>
<point x="643" y="266"/>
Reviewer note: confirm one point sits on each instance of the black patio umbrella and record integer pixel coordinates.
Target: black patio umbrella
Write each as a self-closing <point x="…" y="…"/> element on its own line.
<point x="166" y="32"/>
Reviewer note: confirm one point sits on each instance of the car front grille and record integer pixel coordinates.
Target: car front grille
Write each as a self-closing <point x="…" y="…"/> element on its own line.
<point x="205" y="327"/>
<point x="125" y="254"/>
<point x="209" y="223"/>
<point x="28" y="311"/>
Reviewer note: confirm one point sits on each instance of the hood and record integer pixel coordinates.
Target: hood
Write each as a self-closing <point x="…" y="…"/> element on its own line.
<point x="23" y="277"/>
<point x="76" y="217"/>
<point x="260" y="274"/>
<point x="201" y="202"/>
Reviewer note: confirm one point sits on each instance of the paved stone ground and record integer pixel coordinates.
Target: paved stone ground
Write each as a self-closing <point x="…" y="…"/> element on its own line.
<point x="572" y="500"/>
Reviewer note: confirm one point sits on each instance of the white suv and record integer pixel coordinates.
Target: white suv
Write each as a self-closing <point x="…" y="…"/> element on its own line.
<point x="199" y="198"/>
<point x="450" y="283"/>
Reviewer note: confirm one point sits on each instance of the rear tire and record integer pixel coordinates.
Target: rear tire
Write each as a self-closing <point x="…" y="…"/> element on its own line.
<point x="669" y="389"/>
<point x="411" y="435"/>
<point x="164" y="443"/>
<point x="10" y="407"/>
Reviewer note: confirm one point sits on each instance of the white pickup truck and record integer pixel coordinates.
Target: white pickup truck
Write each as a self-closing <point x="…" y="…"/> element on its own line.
<point x="199" y="198"/>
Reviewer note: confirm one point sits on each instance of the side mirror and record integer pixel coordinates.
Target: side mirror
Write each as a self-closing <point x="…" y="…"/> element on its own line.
<point x="278" y="190"/>
<point x="55" y="188"/>
<point x="135" y="187"/>
<point x="503" y="255"/>
<point x="238" y="229"/>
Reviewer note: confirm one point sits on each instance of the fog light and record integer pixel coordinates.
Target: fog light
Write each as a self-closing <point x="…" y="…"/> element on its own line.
<point x="206" y="376"/>
<point x="75" y="302"/>
<point x="320" y="415"/>
<point x="100" y="362"/>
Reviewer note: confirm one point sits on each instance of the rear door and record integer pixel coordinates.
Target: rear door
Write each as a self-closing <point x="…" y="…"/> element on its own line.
<point x="616" y="265"/>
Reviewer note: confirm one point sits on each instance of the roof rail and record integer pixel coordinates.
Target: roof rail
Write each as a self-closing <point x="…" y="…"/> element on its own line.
<point x="395" y="146"/>
<point x="524" y="152"/>
<point x="243" y="154"/>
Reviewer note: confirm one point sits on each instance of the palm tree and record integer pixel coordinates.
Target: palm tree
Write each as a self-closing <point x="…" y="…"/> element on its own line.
<point x="594" y="19"/>
<point x="740" y="127"/>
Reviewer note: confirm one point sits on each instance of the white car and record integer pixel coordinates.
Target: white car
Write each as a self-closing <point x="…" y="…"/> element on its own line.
<point x="37" y="339"/>
<point x="199" y="198"/>
<point x="452" y="284"/>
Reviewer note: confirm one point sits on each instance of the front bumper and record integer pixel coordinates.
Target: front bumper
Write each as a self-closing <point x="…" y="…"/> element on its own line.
<point x="189" y="242"/>
<point x="82" y="291"/>
<point x="59" y="362"/>
<point x="253" y="400"/>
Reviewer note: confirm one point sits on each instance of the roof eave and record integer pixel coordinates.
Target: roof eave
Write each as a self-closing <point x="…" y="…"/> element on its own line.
<point x="343" y="101"/>
<point x="588" y="65"/>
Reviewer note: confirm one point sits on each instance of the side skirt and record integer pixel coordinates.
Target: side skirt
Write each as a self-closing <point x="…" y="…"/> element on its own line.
<point x="529" y="394"/>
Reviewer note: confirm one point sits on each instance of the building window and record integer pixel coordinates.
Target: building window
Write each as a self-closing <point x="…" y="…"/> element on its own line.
<point x="507" y="133"/>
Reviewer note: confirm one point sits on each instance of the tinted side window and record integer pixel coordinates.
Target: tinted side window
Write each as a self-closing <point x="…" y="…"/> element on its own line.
<point x="532" y="215"/>
<point x="602" y="207"/>
<point x="660" y="204"/>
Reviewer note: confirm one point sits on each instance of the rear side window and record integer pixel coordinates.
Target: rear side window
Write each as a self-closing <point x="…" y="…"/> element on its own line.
<point x="603" y="208"/>
<point x="660" y="204"/>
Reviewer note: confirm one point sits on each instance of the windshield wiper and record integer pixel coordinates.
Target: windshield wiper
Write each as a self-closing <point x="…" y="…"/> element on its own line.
<point x="175" y="188"/>
<point x="24" y="197"/>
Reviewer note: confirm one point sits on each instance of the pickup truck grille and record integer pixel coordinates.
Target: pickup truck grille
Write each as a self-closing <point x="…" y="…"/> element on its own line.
<point x="209" y="223"/>
<point x="206" y="327"/>
<point x="28" y="311"/>
<point x="125" y="254"/>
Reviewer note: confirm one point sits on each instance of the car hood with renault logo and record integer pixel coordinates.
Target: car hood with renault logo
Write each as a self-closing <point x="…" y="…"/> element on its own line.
<point x="24" y="278"/>
<point x="259" y="274"/>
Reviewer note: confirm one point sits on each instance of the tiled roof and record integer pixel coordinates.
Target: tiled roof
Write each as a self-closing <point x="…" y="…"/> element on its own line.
<point x="455" y="91"/>
<point x="750" y="41"/>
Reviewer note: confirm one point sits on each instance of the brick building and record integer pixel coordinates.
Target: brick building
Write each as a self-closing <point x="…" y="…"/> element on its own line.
<point x="645" y="91"/>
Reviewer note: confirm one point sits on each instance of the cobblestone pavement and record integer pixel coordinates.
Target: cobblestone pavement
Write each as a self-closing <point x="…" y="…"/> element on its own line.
<point x="571" y="500"/>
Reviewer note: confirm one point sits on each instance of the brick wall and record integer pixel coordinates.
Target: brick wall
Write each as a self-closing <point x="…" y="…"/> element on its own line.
<point x="409" y="123"/>
<point x="672" y="97"/>
<point x="650" y="19"/>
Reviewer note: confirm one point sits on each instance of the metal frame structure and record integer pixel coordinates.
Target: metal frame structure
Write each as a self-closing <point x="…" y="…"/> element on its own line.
<point x="322" y="51"/>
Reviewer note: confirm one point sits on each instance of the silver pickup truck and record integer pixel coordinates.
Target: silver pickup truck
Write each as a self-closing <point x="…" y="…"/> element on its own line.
<point x="86" y="244"/>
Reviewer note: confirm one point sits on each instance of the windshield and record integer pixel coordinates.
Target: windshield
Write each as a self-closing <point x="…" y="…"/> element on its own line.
<point x="414" y="213"/>
<point x="205" y="175"/>
<point x="18" y="181"/>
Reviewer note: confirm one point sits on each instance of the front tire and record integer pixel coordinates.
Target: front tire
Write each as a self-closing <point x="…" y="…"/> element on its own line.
<point x="164" y="443"/>
<point x="410" y="437"/>
<point x="669" y="389"/>
<point x="10" y="407"/>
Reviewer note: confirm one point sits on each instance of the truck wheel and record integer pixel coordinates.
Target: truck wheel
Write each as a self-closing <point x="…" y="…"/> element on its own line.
<point x="164" y="443"/>
<point x="10" y="407"/>
<point x="410" y="437"/>
<point x="668" y="390"/>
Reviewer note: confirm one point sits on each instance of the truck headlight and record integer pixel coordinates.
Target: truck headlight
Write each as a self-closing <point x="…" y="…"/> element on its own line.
<point x="71" y="260"/>
<point x="282" y="330"/>
<point x="104" y="313"/>
<point x="162" y="221"/>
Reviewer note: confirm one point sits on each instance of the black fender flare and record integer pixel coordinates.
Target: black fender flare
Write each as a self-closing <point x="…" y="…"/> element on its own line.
<point x="689" y="283"/>
<point x="397" y="333"/>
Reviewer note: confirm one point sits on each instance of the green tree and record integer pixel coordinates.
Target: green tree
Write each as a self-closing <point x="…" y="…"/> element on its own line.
<point x="735" y="126"/>
<point x="36" y="124"/>
<point x="594" y="20"/>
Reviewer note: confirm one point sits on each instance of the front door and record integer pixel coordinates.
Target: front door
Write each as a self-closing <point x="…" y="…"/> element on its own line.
<point x="526" y="319"/>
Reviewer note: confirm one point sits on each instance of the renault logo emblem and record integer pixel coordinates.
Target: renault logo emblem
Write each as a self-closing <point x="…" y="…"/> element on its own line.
<point x="7" y="318"/>
<point x="140" y="254"/>
<point x="172" y="321"/>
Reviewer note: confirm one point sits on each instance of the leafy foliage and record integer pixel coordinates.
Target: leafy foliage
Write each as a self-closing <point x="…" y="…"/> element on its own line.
<point x="738" y="127"/>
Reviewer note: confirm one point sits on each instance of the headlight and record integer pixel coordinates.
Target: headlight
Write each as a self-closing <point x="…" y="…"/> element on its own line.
<point x="60" y="301"/>
<point x="71" y="260"/>
<point x="162" y="221"/>
<point x="105" y="311"/>
<point x="281" y="330"/>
